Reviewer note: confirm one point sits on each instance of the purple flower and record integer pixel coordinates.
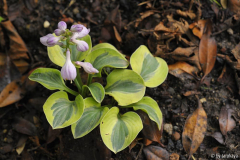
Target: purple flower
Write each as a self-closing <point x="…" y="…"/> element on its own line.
<point x="62" y="26"/>
<point x="81" y="34"/>
<point x="77" y="28"/>
<point x="81" y="45"/>
<point x="87" y="67"/>
<point x="50" y="40"/>
<point x="68" y="70"/>
<point x="44" y="39"/>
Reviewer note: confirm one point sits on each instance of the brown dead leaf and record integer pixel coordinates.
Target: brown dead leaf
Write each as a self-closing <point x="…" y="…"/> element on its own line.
<point x="224" y="3"/>
<point x="117" y="35"/>
<point x="183" y="51"/>
<point x="234" y="6"/>
<point x="226" y="122"/>
<point x="143" y="16"/>
<point x="12" y="93"/>
<point x="190" y="93"/>
<point x="178" y="68"/>
<point x="21" y="144"/>
<point x="18" y="50"/>
<point x="150" y="129"/>
<point x="155" y="153"/>
<point x="219" y="137"/>
<point x="147" y="142"/>
<point x="194" y="130"/>
<point x="236" y="52"/>
<point x="24" y="126"/>
<point x="198" y="27"/>
<point x="53" y="134"/>
<point x="186" y="14"/>
<point x="207" y="51"/>
<point x="134" y="143"/>
<point x="162" y="28"/>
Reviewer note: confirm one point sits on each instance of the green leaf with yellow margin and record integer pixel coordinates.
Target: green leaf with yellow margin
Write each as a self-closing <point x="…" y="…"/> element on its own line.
<point x="104" y="45"/>
<point x="50" y="78"/>
<point x="60" y="112"/>
<point x="92" y="116"/>
<point x="106" y="57"/>
<point x="118" y="131"/>
<point x="126" y="86"/>
<point x="153" y="70"/>
<point x="57" y="56"/>
<point x="97" y="91"/>
<point x="149" y="106"/>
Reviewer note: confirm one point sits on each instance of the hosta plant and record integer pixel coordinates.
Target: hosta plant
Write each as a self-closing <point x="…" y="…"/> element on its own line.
<point x="72" y="50"/>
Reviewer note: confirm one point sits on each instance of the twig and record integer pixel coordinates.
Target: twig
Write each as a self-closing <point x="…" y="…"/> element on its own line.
<point x="139" y="152"/>
<point x="69" y="5"/>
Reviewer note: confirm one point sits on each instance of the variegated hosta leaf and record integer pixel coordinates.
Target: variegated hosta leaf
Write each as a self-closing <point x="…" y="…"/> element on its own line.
<point x="57" y="56"/>
<point x="126" y="86"/>
<point x="92" y="116"/>
<point x="153" y="70"/>
<point x="97" y="91"/>
<point x="151" y="107"/>
<point x="104" y="45"/>
<point x="60" y="112"/>
<point x="106" y="57"/>
<point x="49" y="78"/>
<point x="118" y="131"/>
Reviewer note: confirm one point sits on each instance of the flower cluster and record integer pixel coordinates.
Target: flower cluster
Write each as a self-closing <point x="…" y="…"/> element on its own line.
<point x="72" y="36"/>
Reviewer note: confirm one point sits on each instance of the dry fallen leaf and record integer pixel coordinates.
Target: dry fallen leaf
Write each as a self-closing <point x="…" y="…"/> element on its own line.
<point x="12" y="93"/>
<point x="234" y="5"/>
<point x="207" y="51"/>
<point x="186" y="14"/>
<point x="21" y="144"/>
<point x="150" y="129"/>
<point x="218" y="136"/>
<point x="226" y="122"/>
<point x="155" y="153"/>
<point x="198" y="27"/>
<point x="24" y="126"/>
<point x="179" y="68"/>
<point x="143" y="16"/>
<point x="194" y="130"/>
<point x="236" y="52"/>
<point x="174" y="156"/>
<point x="117" y="35"/>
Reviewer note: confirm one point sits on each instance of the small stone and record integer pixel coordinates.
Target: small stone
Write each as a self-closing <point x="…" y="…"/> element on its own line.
<point x="203" y="100"/>
<point x="230" y="31"/>
<point x="179" y="145"/>
<point x="231" y="146"/>
<point x="5" y="139"/>
<point x="170" y="145"/>
<point x="75" y="10"/>
<point x="176" y="136"/>
<point x="4" y="131"/>
<point x="174" y="156"/>
<point x="46" y="24"/>
<point x="175" y="128"/>
<point x="168" y="128"/>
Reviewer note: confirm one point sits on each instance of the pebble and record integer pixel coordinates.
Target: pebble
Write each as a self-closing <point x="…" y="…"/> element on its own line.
<point x="168" y="128"/>
<point x="170" y="145"/>
<point x="174" y="156"/>
<point x="203" y="100"/>
<point x="179" y="145"/>
<point x="4" y="131"/>
<point x="176" y="136"/>
<point x="46" y="24"/>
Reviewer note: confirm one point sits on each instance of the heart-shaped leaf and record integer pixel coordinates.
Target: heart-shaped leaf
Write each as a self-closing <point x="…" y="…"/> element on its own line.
<point x="106" y="57"/>
<point x="97" y="91"/>
<point x="153" y="70"/>
<point x="60" y="112"/>
<point x="104" y="45"/>
<point x="126" y="86"/>
<point x="118" y="131"/>
<point x="50" y="78"/>
<point x="149" y="106"/>
<point x="92" y="116"/>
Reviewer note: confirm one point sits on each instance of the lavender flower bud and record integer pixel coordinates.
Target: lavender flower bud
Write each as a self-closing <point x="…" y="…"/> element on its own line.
<point x="77" y="28"/>
<point x="52" y="41"/>
<point x="44" y="39"/>
<point x="81" y="45"/>
<point x="68" y="70"/>
<point x="62" y="25"/>
<point x="87" y="67"/>
<point x="58" y="32"/>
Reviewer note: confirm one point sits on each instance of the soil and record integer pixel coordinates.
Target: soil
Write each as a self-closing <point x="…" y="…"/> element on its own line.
<point x="45" y="143"/>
